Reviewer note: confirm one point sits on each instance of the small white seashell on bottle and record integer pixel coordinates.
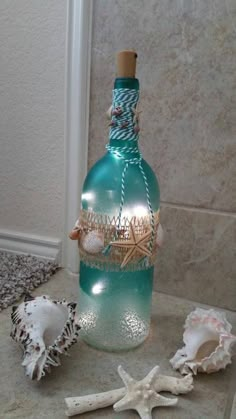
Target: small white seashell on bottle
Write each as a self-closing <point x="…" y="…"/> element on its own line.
<point x="92" y="242"/>
<point x="208" y="343"/>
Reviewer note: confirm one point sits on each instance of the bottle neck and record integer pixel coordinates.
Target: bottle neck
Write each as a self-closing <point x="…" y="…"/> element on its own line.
<point x="124" y="126"/>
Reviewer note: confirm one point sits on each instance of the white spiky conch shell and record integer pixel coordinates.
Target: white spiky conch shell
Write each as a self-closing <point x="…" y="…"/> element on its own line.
<point x="45" y="329"/>
<point x="93" y="241"/>
<point x="208" y="343"/>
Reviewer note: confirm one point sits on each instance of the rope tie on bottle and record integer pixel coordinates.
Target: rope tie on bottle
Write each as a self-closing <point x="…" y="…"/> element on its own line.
<point x="124" y="126"/>
<point x="130" y="160"/>
<point x="149" y="206"/>
<point x="124" y="241"/>
<point x="124" y="115"/>
<point x="122" y="192"/>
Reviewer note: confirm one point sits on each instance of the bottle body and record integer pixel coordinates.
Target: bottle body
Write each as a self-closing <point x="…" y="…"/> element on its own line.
<point x="119" y="220"/>
<point x="115" y="306"/>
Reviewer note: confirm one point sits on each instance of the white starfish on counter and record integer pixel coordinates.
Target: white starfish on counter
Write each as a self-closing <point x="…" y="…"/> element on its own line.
<point x="142" y="395"/>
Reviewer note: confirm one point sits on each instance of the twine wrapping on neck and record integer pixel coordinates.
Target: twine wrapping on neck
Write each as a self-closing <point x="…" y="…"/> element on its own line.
<point x="122" y="129"/>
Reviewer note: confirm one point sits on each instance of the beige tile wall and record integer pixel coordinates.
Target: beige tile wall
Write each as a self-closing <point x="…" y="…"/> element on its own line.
<point x="186" y="67"/>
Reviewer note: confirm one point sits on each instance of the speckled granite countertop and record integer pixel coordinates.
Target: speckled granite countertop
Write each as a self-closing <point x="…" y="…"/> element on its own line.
<point x="90" y="371"/>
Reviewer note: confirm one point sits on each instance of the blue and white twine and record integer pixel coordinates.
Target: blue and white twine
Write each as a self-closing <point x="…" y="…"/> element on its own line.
<point x="122" y="129"/>
<point x="127" y="99"/>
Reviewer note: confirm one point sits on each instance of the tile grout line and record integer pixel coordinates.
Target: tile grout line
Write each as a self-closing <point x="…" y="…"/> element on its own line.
<point x="196" y="209"/>
<point x="229" y="408"/>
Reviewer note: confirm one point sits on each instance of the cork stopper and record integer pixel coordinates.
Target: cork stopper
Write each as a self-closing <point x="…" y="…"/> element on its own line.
<point x="126" y="63"/>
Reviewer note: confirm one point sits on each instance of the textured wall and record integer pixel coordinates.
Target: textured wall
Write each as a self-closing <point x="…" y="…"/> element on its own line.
<point x="32" y="51"/>
<point x="186" y="66"/>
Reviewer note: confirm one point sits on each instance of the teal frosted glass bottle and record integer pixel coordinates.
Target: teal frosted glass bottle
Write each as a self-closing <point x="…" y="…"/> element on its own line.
<point x="118" y="227"/>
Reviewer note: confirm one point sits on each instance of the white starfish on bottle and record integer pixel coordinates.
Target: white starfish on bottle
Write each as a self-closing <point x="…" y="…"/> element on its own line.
<point x="135" y="244"/>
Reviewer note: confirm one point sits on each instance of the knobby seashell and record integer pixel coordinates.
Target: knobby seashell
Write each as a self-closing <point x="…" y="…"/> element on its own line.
<point x="93" y="242"/>
<point x="208" y="343"/>
<point x="117" y="111"/>
<point x="45" y="329"/>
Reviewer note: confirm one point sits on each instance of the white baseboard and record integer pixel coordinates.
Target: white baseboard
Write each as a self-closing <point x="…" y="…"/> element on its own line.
<point x="40" y="246"/>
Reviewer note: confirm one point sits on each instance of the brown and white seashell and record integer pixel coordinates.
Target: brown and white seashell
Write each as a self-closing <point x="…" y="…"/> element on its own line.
<point x="92" y="242"/>
<point x="45" y="329"/>
<point x="208" y="343"/>
<point x="159" y="236"/>
<point x="76" y="232"/>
